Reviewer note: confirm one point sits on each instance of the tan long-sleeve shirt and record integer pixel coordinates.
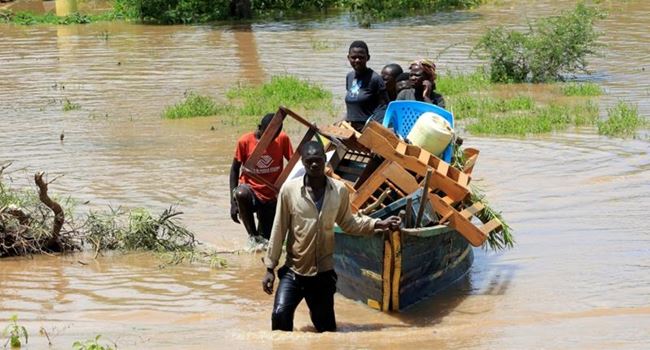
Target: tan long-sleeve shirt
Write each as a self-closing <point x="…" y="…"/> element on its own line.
<point x="310" y="234"/>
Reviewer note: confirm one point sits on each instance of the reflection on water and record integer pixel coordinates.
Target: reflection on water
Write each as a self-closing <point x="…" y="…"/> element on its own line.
<point x="577" y="201"/>
<point x="65" y="7"/>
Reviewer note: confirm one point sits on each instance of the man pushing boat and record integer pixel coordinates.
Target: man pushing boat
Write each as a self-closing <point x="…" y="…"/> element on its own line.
<point x="307" y="209"/>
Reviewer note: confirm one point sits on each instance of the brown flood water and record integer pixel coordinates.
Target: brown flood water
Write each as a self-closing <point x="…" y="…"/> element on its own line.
<point x="579" y="276"/>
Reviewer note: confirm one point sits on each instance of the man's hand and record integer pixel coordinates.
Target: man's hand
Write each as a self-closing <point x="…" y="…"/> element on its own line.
<point x="391" y="223"/>
<point x="267" y="282"/>
<point x="234" y="211"/>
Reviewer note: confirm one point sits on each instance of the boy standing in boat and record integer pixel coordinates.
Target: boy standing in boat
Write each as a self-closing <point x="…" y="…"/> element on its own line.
<point x="248" y="195"/>
<point x="308" y="208"/>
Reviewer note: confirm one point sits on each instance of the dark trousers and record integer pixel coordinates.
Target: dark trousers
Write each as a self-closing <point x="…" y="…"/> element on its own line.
<point x="317" y="290"/>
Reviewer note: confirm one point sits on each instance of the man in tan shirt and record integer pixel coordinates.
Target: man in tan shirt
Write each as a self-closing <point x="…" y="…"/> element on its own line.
<point x="307" y="210"/>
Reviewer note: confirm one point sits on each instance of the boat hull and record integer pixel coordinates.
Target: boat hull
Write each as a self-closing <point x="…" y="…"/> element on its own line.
<point x="396" y="270"/>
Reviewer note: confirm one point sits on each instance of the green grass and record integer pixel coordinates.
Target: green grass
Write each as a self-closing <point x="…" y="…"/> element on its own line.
<point x="622" y="120"/>
<point x="541" y="120"/>
<point x="70" y="106"/>
<point x="467" y="106"/>
<point x="472" y="97"/>
<point x="581" y="89"/>
<point x="324" y="45"/>
<point x="283" y="90"/>
<point x="449" y="83"/>
<point x="29" y="18"/>
<point x="255" y="101"/>
<point x="193" y="105"/>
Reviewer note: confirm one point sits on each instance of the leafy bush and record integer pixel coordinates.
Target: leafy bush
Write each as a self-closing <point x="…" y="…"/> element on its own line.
<point x="552" y="47"/>
<point x="174" y="11"/>
<point x="623" y="120"/>
<point x="368" y="11"/>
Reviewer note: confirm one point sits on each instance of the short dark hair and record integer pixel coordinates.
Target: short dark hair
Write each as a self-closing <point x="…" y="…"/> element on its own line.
<point x="394" y="68"/>
<point x="403" y="76"/>
<point x="360" y="44"/>
<point x="312" y="146"/>
<point x="266" y="120"/>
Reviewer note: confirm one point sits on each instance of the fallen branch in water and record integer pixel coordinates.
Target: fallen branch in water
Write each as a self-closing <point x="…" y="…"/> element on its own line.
<point x="26" y="218"/>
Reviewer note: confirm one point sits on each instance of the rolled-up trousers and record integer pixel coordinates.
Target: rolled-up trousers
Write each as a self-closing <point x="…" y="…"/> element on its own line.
<point x="317" y="290"/>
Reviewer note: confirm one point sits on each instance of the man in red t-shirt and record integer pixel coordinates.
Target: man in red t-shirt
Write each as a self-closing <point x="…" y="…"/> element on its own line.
<point x="247" y="195"/>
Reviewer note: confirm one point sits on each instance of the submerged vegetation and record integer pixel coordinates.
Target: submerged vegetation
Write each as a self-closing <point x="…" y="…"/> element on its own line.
<point x="552" y="47"/>
<point x="194" y="105"/>
<point x="622" y="120"/>
<point x="477" y="103"/>
<point x="14" y="333"/>
<point x="32" y="223"/>
<point x="91" y="344"/>
<point x="70" y="106"/>
<point x="255" y="100"/>
<point x="581" y="89"/>
<point x="281" y="90"/>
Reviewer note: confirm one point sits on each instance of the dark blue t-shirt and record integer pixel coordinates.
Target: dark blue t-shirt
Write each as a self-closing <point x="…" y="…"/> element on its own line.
<point x="365" y="92"/>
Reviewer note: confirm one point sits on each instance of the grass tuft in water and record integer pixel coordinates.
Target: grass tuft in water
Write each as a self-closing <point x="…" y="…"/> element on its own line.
<point x="283" y="90"/>
<point x="92" y="344"/>
<point x="581" y="89"/>
<point x="538" y="121"/>
<point x="457" y="83"/>
<point x="70" y="106"/>
<point x="623" y="120"/>
<point x="194" y="105"/>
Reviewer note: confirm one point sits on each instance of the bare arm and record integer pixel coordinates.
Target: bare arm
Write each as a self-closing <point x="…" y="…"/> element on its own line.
<point x="234" y="181"/>
<point x="234" y="176"/>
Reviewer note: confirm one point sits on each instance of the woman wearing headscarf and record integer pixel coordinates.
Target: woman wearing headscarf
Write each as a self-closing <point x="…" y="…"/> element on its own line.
<point x="423" y="80"/>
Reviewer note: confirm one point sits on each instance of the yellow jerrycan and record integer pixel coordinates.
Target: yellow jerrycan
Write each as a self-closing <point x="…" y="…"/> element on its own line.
<point x="431" y="132"/>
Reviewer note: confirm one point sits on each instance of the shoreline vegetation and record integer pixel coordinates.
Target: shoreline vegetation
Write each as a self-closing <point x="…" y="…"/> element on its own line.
<point x="365" y="12"/>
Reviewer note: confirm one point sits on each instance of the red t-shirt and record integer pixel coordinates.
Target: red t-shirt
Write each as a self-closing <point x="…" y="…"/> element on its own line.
<point x="269" y="166"/>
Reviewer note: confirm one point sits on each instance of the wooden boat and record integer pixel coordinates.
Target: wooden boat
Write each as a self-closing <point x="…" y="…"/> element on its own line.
<point x="395" y="271"/>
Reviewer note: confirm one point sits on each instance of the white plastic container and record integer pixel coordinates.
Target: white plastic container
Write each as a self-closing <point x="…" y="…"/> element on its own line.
<point x="431" y="132"/>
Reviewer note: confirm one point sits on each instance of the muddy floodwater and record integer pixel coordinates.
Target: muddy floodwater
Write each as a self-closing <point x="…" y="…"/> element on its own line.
<point x="578" y="278"/>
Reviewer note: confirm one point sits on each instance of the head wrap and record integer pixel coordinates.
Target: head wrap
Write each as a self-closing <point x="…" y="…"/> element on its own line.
<point x="428" y="67"/>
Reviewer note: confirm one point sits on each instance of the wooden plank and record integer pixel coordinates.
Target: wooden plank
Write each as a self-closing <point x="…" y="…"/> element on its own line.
<point x="294" y="159"/>
<point x="443" y="168"/>
<point x="386" y="275"/>
<point x="360" y="196"/>
<point x="491" y="226"/>
<point x="472" y="210"/>
<point x="471" y="155"/>
<point x="463" y="179"/>
<point x="396" y="241"/>
<point x="473" y="234"/>
<point x="265" y="140"/>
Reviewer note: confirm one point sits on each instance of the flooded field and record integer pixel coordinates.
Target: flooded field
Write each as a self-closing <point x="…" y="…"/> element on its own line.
<point x="578" y="277"/>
